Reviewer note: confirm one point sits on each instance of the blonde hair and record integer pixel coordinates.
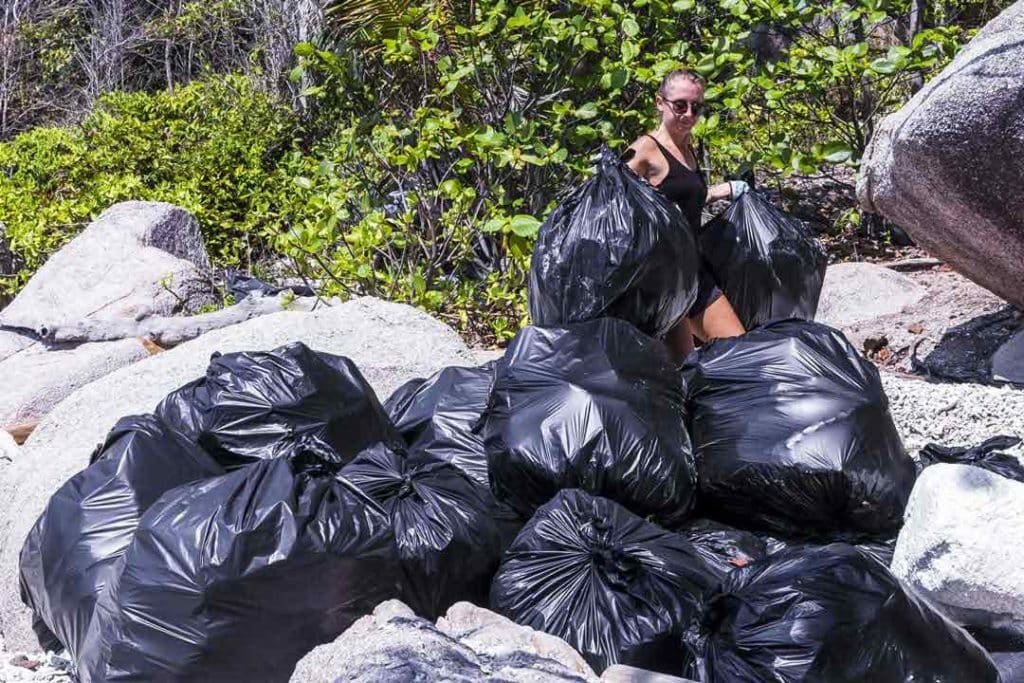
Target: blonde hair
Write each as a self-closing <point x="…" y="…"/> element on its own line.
<point x="676" y="74"/>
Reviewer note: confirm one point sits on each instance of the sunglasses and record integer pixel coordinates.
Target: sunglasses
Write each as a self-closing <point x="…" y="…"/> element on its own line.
<point x="680" y="106"/>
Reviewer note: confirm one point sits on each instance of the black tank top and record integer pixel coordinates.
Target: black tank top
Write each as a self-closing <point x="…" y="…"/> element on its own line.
<point x="683" y="186"/>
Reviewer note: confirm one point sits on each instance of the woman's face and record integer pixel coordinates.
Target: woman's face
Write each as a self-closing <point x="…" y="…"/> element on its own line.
<point x="680" y="104"/>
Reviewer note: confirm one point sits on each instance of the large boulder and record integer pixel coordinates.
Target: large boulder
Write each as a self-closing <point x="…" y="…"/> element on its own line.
<point x="137" y="258"/>
<point x="393" y="644"/>
<point x="390" y="343"/>
<point x="962" y="545"/>
<point x="36" y="379"/>
<point x="949" y="165"/>
<point x="854" y="292"/>
<point x="8" y="448"/>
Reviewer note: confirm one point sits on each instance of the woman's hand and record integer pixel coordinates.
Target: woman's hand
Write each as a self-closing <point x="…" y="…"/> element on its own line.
<point x="739" y="188"/>
<point x="731" y="190"/>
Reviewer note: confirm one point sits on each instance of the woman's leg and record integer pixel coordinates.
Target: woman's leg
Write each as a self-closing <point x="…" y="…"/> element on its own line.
<point x="717" y="320"/>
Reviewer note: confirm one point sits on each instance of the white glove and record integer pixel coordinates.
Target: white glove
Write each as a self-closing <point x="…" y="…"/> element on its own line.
<point x="737" y="188"/>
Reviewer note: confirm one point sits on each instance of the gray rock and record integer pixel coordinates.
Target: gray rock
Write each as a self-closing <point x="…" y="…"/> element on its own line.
<point x="620" y="673"/>
<point x="853" y="292"/>
<point x="504" y="643"/>
<point x="391" y="344"/>
<point x="8" y="448"/>
<point x="962" y="545"/>
<point x="1008" y="360"/>
<point x="137" y="258"/>
<point x="393" y="644"/>
<point x="949" y="165"/>
<point x="37" y="380"/>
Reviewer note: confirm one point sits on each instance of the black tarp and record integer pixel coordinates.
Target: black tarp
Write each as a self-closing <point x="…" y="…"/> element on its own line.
<point x="827" y="614"/>
<point x="769" y="264"/>
<point x="793" y="435"/>
<point x="984" y="455"/>
<point x="594" y="406"/>
<point x="615" y="587"/>
<point x="614" y="247"/>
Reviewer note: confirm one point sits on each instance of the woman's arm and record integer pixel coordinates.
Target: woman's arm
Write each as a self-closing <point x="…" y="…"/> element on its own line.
<point x="730" y="190"/>
<point x="638" y="157"/>
<point x="719" y="191"/>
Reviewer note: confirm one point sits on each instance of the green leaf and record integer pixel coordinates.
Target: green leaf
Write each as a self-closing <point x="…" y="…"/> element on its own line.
<point x="884" y="66"/>
<point x="494" y="225"/>
<point x="586" y="111"/>
<point x="630" y="27"/>
<point x="519" y="19"/>
<point x="629" y="50"/>
<point x="836" y="152"/>
<point x="524" y="226"/>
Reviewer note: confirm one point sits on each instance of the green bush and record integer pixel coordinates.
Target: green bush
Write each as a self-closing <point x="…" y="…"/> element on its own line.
<point x="483" y="120"/>
<point x="438" y="135"/>
<point x="211" y="147"/>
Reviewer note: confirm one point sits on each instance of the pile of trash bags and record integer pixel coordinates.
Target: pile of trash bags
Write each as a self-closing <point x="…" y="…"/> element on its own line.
<point x="258" y="513"/>
<point x="681" y="519"/>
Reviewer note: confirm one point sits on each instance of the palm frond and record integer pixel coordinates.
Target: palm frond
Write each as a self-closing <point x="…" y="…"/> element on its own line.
<point x="370" y="16"/>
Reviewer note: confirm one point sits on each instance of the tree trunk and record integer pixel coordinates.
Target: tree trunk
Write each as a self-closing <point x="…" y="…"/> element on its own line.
<point x="915" y="24"/>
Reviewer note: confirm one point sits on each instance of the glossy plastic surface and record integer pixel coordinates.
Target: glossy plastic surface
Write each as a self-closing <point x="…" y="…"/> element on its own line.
<point x="594" y="406"/>
<point x="615" y="247"/>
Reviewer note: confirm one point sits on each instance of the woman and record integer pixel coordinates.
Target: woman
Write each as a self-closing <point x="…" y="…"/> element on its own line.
<point x="665" y="158"/>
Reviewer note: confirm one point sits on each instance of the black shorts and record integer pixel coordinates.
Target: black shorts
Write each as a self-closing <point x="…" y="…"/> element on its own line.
<point x="707" y="293"/>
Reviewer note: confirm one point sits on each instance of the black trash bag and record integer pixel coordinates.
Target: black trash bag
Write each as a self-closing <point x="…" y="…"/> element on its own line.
<point x="827" y="614"/>
<point x="615" y="587"/>
<point x="594" y="406"/>
<point x="723" y="547"/>
<point x="880" y="550"/>
<point x="437" y="416"/>
<point x="616" y="247"/>
<point x="235" y="578"/>
<point x="793" y="435"/>
<point x="256" y="405"/>
<point x="241" y="285"/>
<point x="449" y="531"/>
<point x="984" y="455"/>
<point x="71" y="552"/>
<point x="769" y="264"/>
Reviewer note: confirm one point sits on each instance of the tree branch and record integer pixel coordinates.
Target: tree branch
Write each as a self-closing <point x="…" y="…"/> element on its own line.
<point x="163" y="330"/>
